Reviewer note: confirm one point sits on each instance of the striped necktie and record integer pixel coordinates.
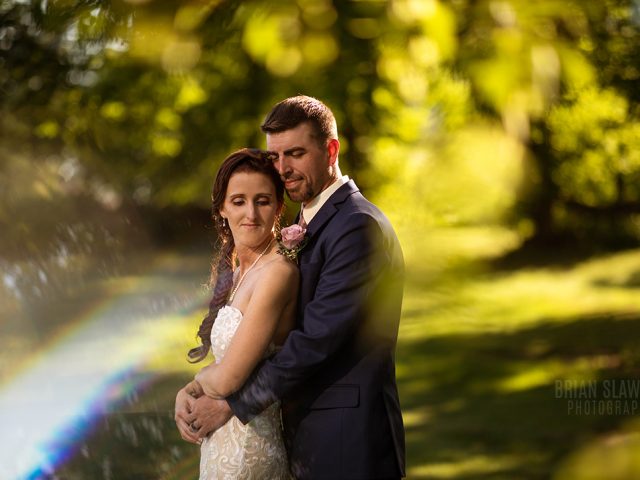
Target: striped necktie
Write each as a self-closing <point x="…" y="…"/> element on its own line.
<point x="301" y="220"/>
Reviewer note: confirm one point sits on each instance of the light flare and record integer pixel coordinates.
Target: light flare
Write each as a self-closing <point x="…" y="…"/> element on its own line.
<point x="53" y="402"/>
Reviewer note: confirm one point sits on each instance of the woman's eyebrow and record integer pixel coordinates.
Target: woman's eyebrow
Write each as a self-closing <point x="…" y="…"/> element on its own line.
<point x="259" y="194"/>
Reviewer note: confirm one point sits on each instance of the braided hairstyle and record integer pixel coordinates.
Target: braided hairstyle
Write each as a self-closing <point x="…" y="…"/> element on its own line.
<point x="245" y="160"/>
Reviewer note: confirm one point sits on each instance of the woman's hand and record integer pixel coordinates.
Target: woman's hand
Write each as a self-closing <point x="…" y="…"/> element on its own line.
<point x="185" y="403"/>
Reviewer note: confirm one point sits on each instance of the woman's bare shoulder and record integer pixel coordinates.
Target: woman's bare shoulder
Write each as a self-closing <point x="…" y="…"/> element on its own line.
<point x="278" y="276"/>
<point x="281" y="267"/>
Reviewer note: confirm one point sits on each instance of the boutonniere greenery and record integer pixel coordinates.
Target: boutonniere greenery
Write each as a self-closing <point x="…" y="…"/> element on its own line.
<point x="291" y="240"/>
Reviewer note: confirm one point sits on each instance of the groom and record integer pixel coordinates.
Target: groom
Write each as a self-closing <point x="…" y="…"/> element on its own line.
<point x="335" y="374"/>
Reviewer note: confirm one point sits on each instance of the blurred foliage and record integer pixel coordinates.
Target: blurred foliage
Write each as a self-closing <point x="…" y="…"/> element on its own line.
<point x="469" y="112"/>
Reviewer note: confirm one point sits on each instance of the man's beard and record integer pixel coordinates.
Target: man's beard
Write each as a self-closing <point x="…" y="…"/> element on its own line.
<point x="303" y="194"/>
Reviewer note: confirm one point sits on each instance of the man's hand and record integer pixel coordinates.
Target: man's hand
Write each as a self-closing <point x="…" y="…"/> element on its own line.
<point x="194" y="389"/>
<point x="185" y="400"/>
<point x="207" y="415"/>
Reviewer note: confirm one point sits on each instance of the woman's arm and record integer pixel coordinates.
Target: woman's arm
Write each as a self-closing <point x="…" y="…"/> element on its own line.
<point x="209" y="381"/>
<point x="275" y="290"/>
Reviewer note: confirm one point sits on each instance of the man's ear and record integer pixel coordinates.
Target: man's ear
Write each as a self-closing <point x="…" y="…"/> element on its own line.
<point x="333" y="148"/>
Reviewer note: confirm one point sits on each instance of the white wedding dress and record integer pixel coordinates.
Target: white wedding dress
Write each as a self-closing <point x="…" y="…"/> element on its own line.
<point x="237" y="451"/>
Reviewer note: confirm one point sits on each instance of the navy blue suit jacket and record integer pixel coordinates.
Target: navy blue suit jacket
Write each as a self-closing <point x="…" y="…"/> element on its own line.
<point x="335" y="374"/>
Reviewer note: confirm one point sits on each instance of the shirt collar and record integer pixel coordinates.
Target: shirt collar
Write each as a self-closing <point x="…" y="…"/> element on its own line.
<point x="310" y="209"/>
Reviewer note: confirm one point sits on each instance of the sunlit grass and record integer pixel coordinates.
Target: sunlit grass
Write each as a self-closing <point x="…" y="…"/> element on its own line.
<point x="481" y="346"/>
<point x="614" y="457"/>
<point x="458" y="296"/>
<point x="472" y="466"/>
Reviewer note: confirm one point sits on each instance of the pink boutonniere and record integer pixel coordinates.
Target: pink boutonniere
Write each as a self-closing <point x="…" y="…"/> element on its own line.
<point x="291" y="240"/>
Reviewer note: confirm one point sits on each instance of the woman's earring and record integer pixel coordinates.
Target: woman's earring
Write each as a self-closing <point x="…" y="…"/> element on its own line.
<point x="225" y="223"/>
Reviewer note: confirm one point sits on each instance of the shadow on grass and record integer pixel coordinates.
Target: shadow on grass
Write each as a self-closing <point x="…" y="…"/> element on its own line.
<point x="466" y="416"/>
<point x="466" y="420"/>
<point x="559" y="254"/>
<point x="632" y="281"/>
<point x="469" y="425"/>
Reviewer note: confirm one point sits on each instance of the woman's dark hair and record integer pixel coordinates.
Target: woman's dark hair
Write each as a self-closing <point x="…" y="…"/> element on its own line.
<point x="245" y="160"/>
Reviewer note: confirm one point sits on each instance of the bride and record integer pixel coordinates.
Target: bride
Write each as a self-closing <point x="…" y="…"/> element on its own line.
<point x="250" y="315"/>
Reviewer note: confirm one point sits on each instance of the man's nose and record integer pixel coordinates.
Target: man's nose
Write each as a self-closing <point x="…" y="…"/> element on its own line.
<point x="282" y="166"/>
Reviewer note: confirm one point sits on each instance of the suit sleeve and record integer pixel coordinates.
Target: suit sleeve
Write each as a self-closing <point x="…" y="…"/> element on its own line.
<point x="354" y="262"/>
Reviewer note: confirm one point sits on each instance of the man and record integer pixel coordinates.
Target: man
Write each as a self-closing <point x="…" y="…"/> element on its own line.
<point x="335" y="374"/>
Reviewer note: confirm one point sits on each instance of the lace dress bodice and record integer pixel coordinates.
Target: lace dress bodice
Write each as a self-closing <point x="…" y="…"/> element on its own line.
<point x="223" y="330"/>
<point x="236" y="451"/>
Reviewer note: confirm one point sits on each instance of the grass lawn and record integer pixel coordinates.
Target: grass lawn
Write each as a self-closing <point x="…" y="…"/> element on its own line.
<point x="493" y="350"/>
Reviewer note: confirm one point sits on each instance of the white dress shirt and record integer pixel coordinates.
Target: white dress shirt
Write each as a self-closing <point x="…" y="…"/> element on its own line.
<point x="310" y="209"/>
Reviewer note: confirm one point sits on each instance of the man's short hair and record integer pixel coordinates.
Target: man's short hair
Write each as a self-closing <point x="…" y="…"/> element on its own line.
<point x="293" y="111"/>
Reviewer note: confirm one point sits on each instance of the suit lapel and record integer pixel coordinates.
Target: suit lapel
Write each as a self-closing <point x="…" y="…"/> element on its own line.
<point x="330" y="207"/>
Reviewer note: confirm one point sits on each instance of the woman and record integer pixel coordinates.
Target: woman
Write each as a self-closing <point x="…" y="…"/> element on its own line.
<point x="250" y="315"/>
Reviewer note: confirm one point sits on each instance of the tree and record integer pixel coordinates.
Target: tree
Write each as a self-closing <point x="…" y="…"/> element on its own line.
<point x="142" y="100"/>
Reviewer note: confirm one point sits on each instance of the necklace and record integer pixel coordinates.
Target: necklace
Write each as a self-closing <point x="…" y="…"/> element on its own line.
<point x="235" y="289"/>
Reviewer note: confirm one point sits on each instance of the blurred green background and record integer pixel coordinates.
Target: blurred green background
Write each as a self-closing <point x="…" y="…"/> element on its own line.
<point x="502" y="139"/>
